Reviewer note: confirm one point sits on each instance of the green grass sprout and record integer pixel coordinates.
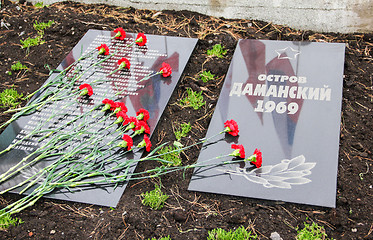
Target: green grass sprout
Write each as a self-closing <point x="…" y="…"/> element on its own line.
<point x="312" y="232"/>
<point x="217" y="50"/>
<point x="40" y="5"/>
<point x="30" y="42"/>
<point x="9" y="98"/>
<point x="6" y="221"/>
<point x="194" y="99"/>
<point x="206" y="76"/>
<point x="41" y="26"/>
<point x="170" y="154"/>
<point x="18" y="66"/>
<point x="155" y="198"/>
<point x="163" y="238"/>
<point x="182" y="131"/>
<point x="239" y="234"/>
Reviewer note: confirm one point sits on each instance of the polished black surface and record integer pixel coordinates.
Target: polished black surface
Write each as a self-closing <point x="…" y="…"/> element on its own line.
<point x="286" y="99"/>
<point x="152" y="94"/>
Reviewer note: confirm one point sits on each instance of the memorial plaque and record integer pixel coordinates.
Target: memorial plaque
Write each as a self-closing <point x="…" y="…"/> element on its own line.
<point x="286" y="98"/>
<point x="152" y="94"/>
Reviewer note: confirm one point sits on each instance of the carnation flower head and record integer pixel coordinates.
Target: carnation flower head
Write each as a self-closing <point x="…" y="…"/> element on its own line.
<point x="145" y="143"/>
<point x="231" y="127"/>
<point x="124" y="63"/>
<point x="258" y="158"/>
<point x="131" y="123"/>
<point x="120" y="33"/>
<point x="142" y="114"/>
<point x="165" y="70"/>
<point x="239" y="150"/>
<point x="113" y="105"/>
<point x="120" y="106"/>
<point x="141" y="39"/>
<point x="127" y="142"/>
<point x="142" y="127"/>
<point x="103" y="49"/>
<point x="121" y="117"/>
<point x="86" y="89"/>
<point x="107" y="103"/>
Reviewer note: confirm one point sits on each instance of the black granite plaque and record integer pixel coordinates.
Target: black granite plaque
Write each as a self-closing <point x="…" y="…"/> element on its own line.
<point x="286" y="99"/>
<point x="152" y="94"/>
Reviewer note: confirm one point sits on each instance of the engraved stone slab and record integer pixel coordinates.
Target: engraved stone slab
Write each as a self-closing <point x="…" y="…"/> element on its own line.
<point x="286" y="99"/>
<point x="152" y="95"/>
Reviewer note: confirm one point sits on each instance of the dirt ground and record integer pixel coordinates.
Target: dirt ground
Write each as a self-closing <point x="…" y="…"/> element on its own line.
<point x="190" y="215"/>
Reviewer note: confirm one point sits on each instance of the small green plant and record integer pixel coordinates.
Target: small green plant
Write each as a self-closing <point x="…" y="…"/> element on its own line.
<point x="170" y="155"/>
<point x="30" y="42"/>
<point x="312" y="232"/>
<point x="239" y="234"/>
<point x="163" y="238"/>
<point x="40" y="5"/>
<point x="18" y="66"/>
<point x="217" y="50"/>
<point x="40" y="27"/>
<point x="206" y="76"/>
<point x="155" y="198"/>
<point x="9" y="98"/>
<point x="182" y="131"/>
<point x="194" y="99"/>
<point x="6" y="221"/>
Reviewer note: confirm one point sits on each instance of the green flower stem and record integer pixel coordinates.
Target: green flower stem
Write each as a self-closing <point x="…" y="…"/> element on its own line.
<point x="37" y="175"/>
<point x="48" y="94"/>
<point x="153" y="173"/>
<point x="44" y="152"/>
<point x="40" y="101"/>
<point x="203" y="140"/>
<point x="87" y="172"/>
<point x="51" y="131"/>
<point x="62" y="73"/>
<point x="94" y="65"/>
<point x="14" y="169"/>
<point x="114" y="71"/>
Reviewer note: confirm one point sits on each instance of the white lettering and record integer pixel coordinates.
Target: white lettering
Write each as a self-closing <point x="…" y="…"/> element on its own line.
<point x="237" y="87"/>
<point x="260" y="90"/>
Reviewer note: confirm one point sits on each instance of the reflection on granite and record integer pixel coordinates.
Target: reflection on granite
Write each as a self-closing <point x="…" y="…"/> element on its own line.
<point x="286" y="99"/>
<point x="152" y="95"/>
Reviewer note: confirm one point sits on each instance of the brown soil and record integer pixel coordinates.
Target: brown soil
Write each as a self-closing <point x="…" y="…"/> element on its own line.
<point x="189" y="215"/>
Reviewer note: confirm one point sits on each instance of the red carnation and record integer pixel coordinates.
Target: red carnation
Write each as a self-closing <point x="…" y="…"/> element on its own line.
<point x="239" y="152"/>
<point x="124" y="63"/>
<point x="86" y="89"/>
<point x="141" y="39"/>
<point x="120" y="33"/>
<point x="113" y="105"/>
<point x="120" y="106"/>
<point x="142" y="114"/>
<point x="145" y="143"/>
<point x="127" y="142"/>
<point x="121" y="117"/>
<point x="142" y="127"/>
<point x="103" y="49"/>
<point x="107" y="103"/>
<point x="165" y="70"/>
<point x="258" y="158"/>
<point x="231" y="127"/>
<point x="132" y="122"/>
